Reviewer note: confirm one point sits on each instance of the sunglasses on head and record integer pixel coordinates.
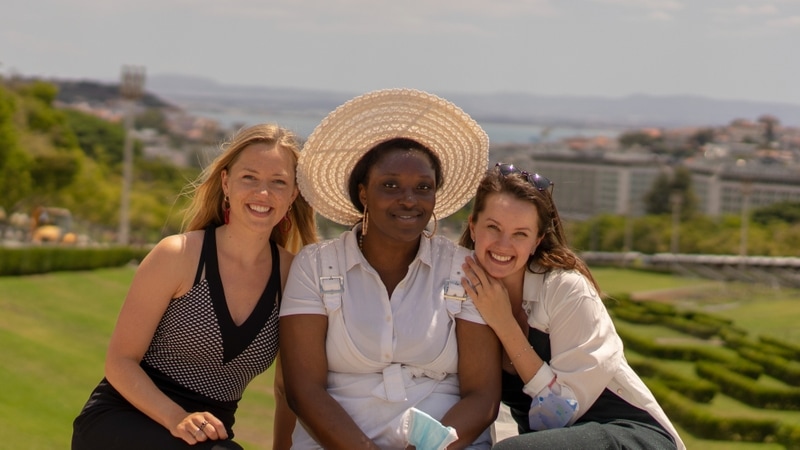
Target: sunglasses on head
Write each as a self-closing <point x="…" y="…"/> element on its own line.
<point x="539" y="182"/>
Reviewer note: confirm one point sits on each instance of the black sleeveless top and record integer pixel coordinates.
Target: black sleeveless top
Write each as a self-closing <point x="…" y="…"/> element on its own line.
<point x="198" y="356"/>
<point x="197" y="344"/>
<point x="609" y="406"/>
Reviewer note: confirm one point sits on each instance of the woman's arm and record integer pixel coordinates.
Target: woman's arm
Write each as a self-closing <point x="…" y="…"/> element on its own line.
<point x="284" y="421"/>
<point x="479" y="382"/>
<point x="166" y="271"/>
<point x="491" y="299"/>
<point x="305" y="373"/>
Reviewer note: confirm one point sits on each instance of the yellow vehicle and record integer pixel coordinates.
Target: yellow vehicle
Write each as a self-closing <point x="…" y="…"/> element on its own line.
<point x="54" y="225"/>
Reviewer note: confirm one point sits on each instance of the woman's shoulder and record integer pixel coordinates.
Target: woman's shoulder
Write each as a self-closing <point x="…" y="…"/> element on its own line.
<point x="444" y="247"/>
<point x="570" y="279"/>
<point x="179" y="245"/>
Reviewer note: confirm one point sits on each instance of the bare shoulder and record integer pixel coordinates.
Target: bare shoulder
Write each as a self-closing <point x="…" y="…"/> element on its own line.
<point x="179" y="246"/>
<point x="174" y="258"/>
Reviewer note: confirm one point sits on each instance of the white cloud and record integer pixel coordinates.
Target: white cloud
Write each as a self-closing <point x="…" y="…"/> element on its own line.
<point x="659" y="16"/>
<point x="785" y="22"/>
<point x="379" y="11"/>
<point x="38" y="43"/>
<point x="655" y="5"/>
<point x="758" y="10"/>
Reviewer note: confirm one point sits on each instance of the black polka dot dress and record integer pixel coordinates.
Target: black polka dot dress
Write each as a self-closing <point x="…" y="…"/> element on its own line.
<point x="198" y="356"/>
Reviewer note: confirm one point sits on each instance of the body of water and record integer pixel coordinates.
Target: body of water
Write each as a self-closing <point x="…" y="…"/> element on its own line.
<point x="499" y="133"/>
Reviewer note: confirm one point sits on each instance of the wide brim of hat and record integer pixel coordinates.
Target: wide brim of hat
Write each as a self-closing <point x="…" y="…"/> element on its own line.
<point x="352" y="129"/>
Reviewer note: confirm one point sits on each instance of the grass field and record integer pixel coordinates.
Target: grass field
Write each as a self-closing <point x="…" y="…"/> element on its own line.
<point x="54" y="329"/>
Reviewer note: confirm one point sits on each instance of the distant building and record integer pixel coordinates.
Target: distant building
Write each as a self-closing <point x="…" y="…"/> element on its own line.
<point x="588" y="183"/>
<point x="726" y="188"/>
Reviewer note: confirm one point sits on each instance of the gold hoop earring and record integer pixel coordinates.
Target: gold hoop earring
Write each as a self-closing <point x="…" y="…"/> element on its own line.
<point x="435" y="227"/>
<point x="364" y="222"/>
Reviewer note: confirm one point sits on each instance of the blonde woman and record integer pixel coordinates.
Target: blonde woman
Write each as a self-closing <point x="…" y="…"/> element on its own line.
<point x="200" y="320"/>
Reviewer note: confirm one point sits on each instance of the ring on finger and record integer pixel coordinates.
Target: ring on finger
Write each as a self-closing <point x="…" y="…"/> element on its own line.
<point x="202" y="425"/>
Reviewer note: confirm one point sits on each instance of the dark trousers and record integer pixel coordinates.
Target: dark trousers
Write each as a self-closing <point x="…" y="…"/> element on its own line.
<point x="614" y="435"/>
<point x="132" y="430"/>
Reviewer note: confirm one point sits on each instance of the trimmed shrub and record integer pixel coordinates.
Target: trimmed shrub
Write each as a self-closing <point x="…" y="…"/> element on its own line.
<point x="688" y="352"/>
<point x="697" y="389"/>
<point x="791" y="347"/>
<point x="33" y="260"/>
<point x="704" y="424"/>
<point x="747" y="390"/>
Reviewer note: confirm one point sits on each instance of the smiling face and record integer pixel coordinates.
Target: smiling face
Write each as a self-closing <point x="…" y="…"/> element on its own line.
<point x="400" y="194"/>
<point x="506" y="233"/>
<point x="261" y="186"/>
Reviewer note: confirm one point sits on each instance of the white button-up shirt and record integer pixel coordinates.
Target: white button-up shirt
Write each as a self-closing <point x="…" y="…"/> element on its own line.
<point x="586" y="352"/>
<point x="385" y="354"/>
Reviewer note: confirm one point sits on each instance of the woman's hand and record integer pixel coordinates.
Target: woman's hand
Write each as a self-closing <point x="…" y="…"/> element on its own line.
<point x="487" y="293"/>
<point x="199" y="427"/>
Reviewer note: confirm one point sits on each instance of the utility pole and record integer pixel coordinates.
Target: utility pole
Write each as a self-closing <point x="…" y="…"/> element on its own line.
<point x="747" y="189"/>
<point x="131" y="90"/>
<point x="676" y="200"/>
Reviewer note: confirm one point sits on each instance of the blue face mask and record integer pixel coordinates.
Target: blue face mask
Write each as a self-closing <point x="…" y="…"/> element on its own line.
<point x="550" y="411"/>
<point x="427" y="433"/>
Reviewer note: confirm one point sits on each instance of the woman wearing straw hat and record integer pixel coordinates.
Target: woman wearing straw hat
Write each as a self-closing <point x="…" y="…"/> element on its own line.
<point x="372" y="322"/>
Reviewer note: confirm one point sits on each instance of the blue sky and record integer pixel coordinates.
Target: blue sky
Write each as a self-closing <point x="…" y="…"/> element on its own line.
<point x="725" y="49"/>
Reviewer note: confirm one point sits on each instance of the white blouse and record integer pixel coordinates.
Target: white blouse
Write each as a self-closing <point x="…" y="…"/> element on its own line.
<point x="385" y="354"/>
<point x="586" y="352"/>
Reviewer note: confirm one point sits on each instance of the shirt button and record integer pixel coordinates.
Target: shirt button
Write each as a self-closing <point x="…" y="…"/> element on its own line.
<point x="388" y="318"/>
<point x="619" y="391"/>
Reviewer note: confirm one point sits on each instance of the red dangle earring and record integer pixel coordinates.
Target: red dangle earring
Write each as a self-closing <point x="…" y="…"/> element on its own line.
<point x="286" y="222"/>
<point x="227" y="209"/>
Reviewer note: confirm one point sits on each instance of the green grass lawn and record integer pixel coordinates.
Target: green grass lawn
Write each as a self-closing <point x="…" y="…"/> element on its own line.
<point x="54" y="329"/>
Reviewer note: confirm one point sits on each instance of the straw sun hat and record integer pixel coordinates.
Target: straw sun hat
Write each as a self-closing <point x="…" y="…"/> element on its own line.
<point x="352" y="129"/>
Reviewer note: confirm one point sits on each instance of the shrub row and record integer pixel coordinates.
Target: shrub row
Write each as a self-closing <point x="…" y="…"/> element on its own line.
<point x="748" y="390"/>
<point x="688" y="352"/>
<point x="705" y="424"/>
<point x="789" y="346"/>
<point x="697" y="389"/>
<point x="699" y="325"/>
<point x="775" y="366"/>
<point x="777" y="361"/>
<point x="33" y="260"/>
<point x="739" y="341"/>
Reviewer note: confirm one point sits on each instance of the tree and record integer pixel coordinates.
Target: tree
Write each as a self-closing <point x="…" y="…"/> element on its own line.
<point x="98" y="138"/>
<point x="770" y="124"/>
<point x="658" y="200"/>
<point x="701" y="137"/>
<point x="15" y="179"/>
<point x="785" y="212"/>
<point x="640" y="138"/>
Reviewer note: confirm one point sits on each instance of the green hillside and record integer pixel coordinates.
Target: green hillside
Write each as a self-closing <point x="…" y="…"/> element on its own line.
<point x="54" y="329"/>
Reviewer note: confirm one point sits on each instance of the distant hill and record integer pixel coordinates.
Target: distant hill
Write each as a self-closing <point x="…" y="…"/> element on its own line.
<point x="70" y="91"/>
<point x="631" y="111"/>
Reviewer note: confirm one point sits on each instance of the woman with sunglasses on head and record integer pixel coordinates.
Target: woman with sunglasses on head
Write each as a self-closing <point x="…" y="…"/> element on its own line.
<point x="565" y="377"/>
<point x="378" y="352"/>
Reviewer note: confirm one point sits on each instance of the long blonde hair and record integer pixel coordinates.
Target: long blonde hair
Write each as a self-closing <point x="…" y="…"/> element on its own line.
<point x="207" y="197"/>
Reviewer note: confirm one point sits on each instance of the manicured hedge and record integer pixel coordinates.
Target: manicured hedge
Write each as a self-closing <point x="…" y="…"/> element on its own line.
<point x="33" y="260"/>
<point x="748" y="390"/>
<point x="788" y="346"/>
<point x="697" y="389"/>
<point x="705" y="424"/>
<point x="688" y="352"/>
